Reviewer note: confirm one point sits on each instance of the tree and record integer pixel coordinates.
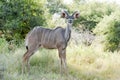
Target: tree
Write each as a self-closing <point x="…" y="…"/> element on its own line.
<point x="17" y="17"/>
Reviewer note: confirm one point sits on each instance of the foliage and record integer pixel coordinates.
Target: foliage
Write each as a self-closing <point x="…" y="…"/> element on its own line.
<point x="109" y="28"/>
<point x="92" y="13"/>
<point x="19" y="16"/>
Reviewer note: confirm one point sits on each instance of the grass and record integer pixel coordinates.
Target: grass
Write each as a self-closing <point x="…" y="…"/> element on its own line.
<point x="84" y="63"/>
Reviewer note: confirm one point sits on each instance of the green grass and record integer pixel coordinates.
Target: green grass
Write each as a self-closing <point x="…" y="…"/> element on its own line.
<point x="84" y="63"/>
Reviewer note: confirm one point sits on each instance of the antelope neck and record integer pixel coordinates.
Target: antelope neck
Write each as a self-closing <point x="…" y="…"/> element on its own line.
<point x="68" y="31"/>
<point x="69" y="26"/>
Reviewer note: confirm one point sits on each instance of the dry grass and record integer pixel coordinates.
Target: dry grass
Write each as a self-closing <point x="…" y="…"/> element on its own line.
<point x="84" y="63"/>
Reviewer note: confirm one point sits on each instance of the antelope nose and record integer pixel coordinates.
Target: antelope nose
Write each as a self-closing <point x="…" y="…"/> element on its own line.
<point x="70" y="21"/>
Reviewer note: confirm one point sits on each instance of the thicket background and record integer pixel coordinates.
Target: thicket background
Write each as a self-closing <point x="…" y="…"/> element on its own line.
<point x="95" y="38"/>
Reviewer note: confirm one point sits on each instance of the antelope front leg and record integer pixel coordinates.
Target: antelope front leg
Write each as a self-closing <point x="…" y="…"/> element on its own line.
<point x="64" y="61"/>
<point x="63" y="65"/>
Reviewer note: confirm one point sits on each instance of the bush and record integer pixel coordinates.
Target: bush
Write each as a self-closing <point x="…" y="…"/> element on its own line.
<point x="19" y="16"/>
<point x="109" y="28"/>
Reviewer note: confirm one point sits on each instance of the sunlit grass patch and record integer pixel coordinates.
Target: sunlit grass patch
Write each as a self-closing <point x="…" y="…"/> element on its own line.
<point x="90" y="64"/>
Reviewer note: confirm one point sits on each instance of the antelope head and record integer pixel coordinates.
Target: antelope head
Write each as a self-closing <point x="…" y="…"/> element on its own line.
<point x="70" y="18"/>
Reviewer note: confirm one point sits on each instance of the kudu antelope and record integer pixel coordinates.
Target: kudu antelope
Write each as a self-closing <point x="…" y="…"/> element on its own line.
<point x="51" y="39"/>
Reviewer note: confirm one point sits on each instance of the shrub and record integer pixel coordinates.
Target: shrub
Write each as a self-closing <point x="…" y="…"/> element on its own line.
<point x="19" y="16"/>
<point x="109" y="28"/>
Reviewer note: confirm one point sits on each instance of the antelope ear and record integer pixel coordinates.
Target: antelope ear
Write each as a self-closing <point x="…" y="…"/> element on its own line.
<point x="76" y="15"/>
<point x="63" y="15"/>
